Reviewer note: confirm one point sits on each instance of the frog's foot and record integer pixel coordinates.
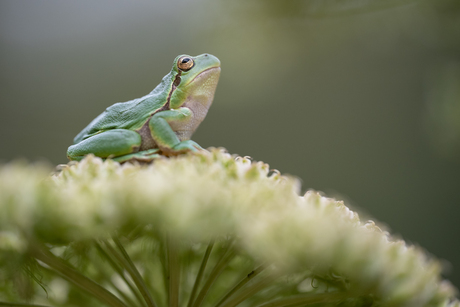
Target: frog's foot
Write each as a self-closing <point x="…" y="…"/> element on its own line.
<point x="182" y="147"/>
<point x="144" y="156"/>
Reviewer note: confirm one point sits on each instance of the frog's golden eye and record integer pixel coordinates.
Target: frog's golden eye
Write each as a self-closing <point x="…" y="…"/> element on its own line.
<point x="185" y="63"/>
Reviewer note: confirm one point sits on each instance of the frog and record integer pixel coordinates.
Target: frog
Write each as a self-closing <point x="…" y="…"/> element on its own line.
<point x="159" y="124"/>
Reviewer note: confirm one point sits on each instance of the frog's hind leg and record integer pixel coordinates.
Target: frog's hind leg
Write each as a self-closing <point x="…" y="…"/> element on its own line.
<point x="111" y="143"/>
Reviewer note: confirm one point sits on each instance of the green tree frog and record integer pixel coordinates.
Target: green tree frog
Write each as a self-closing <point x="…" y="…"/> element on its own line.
<point x="160" y="123"/>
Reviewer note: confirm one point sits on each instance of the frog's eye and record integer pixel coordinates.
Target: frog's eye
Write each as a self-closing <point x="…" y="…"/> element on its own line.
<point x="185" y="63"/>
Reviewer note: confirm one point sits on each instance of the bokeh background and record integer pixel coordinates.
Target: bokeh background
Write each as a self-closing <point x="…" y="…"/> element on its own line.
<point x="359" y="99"/>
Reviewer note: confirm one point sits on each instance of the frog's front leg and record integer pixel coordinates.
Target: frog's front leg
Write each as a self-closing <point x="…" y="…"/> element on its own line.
<point x="120" y="144"/>
<point x="165" y="136"/>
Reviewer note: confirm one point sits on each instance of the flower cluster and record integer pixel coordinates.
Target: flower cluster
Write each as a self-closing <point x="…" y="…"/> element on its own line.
<point x="207" y="229"/>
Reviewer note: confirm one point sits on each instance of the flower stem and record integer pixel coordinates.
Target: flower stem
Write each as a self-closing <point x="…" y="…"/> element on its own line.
<point x="173" y="271"/>
<point x="75" y="277"/>
<point x="200" y="274"/>
<point x="125" y="260"/>
<point x="242" y="282"/>
<point x="249" y="291"/>
<point x="226" y="257"/>
<point x="117" y="269"/>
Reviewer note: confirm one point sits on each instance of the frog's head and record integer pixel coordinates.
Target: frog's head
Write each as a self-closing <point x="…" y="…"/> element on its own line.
<point x="195" y="80"/>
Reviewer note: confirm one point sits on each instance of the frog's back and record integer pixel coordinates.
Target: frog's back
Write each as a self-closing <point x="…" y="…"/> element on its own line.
<point x="129" y="115"/>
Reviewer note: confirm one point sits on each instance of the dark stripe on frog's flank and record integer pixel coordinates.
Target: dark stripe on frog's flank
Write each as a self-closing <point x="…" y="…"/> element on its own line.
<point x="175" y="84"/>
<point x="146" y="135"/>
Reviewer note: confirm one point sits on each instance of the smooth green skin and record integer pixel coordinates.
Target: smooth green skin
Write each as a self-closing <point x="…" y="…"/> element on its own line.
<point x="160" y="123"/>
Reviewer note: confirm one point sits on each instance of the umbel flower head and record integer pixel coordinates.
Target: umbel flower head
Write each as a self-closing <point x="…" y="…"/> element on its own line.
<point x="207" y="229"/>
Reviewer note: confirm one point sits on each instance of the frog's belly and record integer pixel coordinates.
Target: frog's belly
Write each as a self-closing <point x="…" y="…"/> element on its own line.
<point x="147" y="142"/>
<point x="184" y="130"/>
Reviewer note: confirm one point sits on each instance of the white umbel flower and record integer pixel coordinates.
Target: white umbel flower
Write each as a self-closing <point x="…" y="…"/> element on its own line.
<point x="207" y="229"/>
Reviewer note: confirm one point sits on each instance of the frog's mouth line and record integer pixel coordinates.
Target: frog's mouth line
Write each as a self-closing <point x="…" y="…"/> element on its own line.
<point x="204" y="72"/>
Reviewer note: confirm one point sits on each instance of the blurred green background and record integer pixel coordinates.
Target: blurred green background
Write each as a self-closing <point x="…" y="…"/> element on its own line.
<point x="360" y="99"/>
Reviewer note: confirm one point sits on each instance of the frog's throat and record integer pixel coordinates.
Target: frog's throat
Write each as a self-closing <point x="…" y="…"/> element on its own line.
<point x="202" y="88"/>
<point x="205" y="74"/>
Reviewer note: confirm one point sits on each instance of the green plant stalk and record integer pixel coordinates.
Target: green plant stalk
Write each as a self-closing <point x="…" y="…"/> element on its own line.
<point x="240" y="284"/>
<point x="75" y="277"/>
<point x="114" y="265"/>
<point x="128" y="300"/>
<point x="200" y="274"/>
<point x="173" y="271"/>
<point x="250" y="291"/>
<point x="217" y="270"/>
<point x="163" y="295"/>
<point x="29" y="272"/>
<point x="125" y="260"/>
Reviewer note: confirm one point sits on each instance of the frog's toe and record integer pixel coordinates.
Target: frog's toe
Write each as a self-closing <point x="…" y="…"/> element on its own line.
<point x="150" y="152"/>
<point x="147" y="155"/>
<point x="195" y="145"/>
<point x="188" y="145"/>
<point x="141" y="156"/>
